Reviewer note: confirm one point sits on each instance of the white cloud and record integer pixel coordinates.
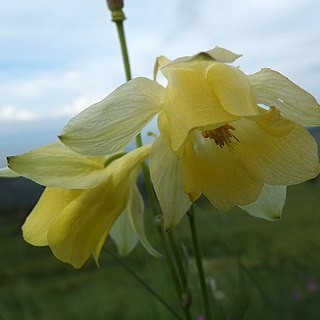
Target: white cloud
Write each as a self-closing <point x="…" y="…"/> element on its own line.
<point x="10" y="113"/>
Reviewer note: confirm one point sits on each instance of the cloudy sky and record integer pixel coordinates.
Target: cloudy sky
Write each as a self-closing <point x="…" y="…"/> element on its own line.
<point x="57" y="57"/>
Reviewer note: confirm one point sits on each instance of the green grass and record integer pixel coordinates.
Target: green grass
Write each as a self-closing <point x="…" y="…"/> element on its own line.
<point x="281" y="259"/>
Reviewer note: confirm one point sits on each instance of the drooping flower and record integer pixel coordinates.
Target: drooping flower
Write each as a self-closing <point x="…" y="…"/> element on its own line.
<point x="85" y="196"/>
<point x="237" y="139"/>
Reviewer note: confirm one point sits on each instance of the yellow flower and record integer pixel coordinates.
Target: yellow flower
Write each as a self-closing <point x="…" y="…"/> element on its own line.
<point x="216" y="138"/>
<point x="84" y="197"/>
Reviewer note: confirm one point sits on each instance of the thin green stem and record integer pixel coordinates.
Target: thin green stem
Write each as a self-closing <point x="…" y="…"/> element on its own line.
<point x="152" y="197"/>
<point x="126" y="62"/>
<point x="139" y="143"/>
<point x="178" y="259"/>
<point x="185" y="294"/>
<point x="143" y="283"/>
<point x="197" y="253"/>
<point x="172" y="268"/>
<point x="124" y="50"/>
<point x="150" y="191"/>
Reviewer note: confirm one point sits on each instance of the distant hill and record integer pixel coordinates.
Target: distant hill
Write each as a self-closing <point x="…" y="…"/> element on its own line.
<point x="18" y="195"/>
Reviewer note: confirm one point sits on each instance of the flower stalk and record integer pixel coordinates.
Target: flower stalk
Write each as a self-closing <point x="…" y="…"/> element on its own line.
<point x="198" y="257"/>
<point x="118" y="20"/>
<point x="177" y="273"/>
<point x="185" y="294"/>
<point x="144" y="284"/>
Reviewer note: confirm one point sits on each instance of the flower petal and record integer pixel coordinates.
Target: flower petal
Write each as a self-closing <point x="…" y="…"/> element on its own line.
<point x="122" y="167"/>
<point x="51" y="203"/>
<point x="109" y="125"/>
<point x="273" y="89"/>
<point x="75" y="223"/>
<point x="123" y="234"/>
<point x="216" y="54"/>
<point x="222" y="55"/>
<point x="269" y="204"/>
<point x="233" y="89"/>
<point x="8" y="173"/>
<point x="218" y="173"/>
<point x="135" y="211"/>
<point x="161" y="61"/>
<point x="165" y="171"/>
<point x="77" y="230"/>
<point x="276" y="159"/>
<point x="55" y="165"/>
<point x="191" y="103"/>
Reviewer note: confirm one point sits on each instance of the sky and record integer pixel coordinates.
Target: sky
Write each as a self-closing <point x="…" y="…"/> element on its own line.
<point x="58" y="57"/>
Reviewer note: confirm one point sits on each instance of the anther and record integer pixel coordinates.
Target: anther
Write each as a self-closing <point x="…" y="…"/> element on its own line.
<point x="222" y="136"/>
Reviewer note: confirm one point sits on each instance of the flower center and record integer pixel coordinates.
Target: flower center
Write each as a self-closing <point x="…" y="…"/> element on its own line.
<point x="222" y="136"/>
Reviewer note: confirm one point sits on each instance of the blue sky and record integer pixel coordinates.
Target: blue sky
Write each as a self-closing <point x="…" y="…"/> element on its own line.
<point x="57" y="57"/>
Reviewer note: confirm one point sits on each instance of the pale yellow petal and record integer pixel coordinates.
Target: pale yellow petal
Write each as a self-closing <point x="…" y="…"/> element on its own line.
<point x="76" y="232"/>
<point x="109" y="125"/>
<point x="191" y="103"/>
<point x="166" y="176"/>
<point x="216" y="54"/>
<point x="125" y="169"/>
<point x="123" y="234"/>
<point x="75" y="223"/>
<point x="277" y="159"/>
<point x="57" y="166"/>
<point x="232" y="88"/>
<point x="190" y="181"/>
<point x="48" y="208"/>
<point x="269" y="204"/>
<point x="273" y="89"/>
<point x="122" y="167"/>
<point x="273" y="123"/>
<point x="161" y="61"/>
<point x="163" y="126"/>
<point x="218" y="173"/>
<point x="8" y="173"/>
<point x="136" y="212"/>
<point x="222" y="55"/>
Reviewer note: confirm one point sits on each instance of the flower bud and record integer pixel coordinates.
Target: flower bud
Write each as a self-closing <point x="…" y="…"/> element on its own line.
<point x="115" y="5"/>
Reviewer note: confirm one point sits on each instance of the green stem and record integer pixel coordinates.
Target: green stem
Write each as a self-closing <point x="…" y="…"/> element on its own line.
<point x="125" y="56"/>
<point x="150" y="191"/>
<point x="197" y="252"/>
<point x="172" y="268"/>
<point x="178" y="259"/>
<point x="139" y="143"/>
<point x="124" y="49"/>
<point x="144" y="284"/>
<point x="152" y="197"/>
<point x="185" y="293"/>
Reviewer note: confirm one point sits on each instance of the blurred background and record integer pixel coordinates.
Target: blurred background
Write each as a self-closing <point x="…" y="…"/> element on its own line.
<point x="57" y="58"/>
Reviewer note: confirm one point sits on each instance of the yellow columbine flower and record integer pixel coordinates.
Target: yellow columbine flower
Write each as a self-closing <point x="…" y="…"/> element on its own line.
<point x="216" y="139"/>
<point x="83" y="199"/>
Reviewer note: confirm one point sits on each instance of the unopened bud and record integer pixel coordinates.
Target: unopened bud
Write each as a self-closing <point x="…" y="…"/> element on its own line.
<point x="115" y="5"/>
